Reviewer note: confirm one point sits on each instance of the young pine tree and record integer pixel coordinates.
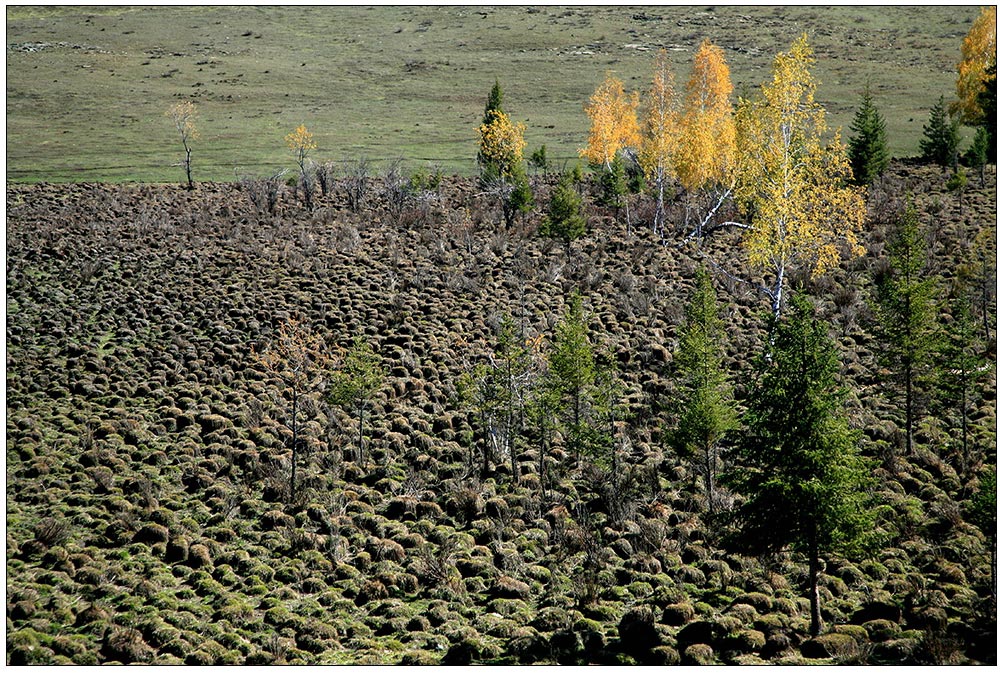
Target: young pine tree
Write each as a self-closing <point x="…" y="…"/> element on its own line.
<point x="565" y="219"/>
<point x="982" y="513"/>
<point x="797" y="463"/>
<point x="979" y="153"/>
<point x="867" y="148"/>
<point x="587" y="390"/>
<point x="906" y="314"/>
<point x="353" y="386"/>
<point x="965" y="367"/>
<point x="705" y="398"/>
<point x="940" y="142"/>
<point x="572" y="370"/>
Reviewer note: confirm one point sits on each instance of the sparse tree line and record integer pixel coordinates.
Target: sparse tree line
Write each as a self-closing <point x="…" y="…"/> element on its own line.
<point x="782" y="468"/>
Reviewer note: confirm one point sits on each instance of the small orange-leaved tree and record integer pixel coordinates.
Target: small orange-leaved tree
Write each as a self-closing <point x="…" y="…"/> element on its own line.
<point x="298" y="359"/>
<point x="614" y="127"/>
<point x="300" y="141"/>
<point x="707" y="147"/>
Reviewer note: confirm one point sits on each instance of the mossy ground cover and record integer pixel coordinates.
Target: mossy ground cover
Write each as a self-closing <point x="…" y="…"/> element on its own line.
<point x="87" y="88"/>
<point x="147" y="451"/>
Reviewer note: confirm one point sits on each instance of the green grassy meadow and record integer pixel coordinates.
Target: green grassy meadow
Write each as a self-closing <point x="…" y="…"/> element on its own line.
<point x="87" y="87"/>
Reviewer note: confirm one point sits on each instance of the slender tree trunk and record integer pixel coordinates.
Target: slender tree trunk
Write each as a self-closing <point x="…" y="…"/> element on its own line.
<point x="361" y="435"/>
<point x="778" y="288"/>
<point x="541" y="463"/>
<point x="295" y="441"/>
<point x="965" y="423"/>
<point x="660" y="214"/>
<point x="986" y="304"/>
<point x="187" y="164"/>
<point x="628" y="218"/>
<point x="908" y="381"/>
<point x="816" y="619"/>
<point x="993" y="572"/>
<point x="710" y="476"/>
<point x="576" y="426"/>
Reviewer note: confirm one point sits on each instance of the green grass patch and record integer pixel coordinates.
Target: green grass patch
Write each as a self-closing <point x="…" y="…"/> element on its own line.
<point x="87" y="88"/>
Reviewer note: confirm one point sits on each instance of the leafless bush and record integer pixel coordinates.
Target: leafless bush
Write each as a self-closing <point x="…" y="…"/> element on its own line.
<point x="357" y="183"/>
<point x="418" y="213"/>
<point x="654" y="536"/>
<point x="625" y="281"/>
<point x="263" y="191"/>
<point x="436" y="567"/>
<point x="459" y="227"/>
<point x="325" y="177"/>
<point x="395" y="189"/>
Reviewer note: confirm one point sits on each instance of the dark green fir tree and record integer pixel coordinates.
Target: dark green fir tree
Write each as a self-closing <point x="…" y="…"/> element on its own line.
<point x="940" y="142"/>
<point x="906" y="314"/>
<point x="705" y="401"/>
<point x="867" y="148"/>
<point x="797" y="463"/>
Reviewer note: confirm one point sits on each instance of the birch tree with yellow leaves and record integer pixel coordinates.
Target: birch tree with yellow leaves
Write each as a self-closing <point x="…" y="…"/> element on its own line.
<point x="501" y="144"/>
<point x="501" y="159"/>
<point x="660" y="131"/>
<point x="300" y="142"/>
<point x="614" y="124"/>
<point x="979" y="52"/>
<point x="614" y="127"/>
<point x="707" y="146"/>
<point x="803" y="211"/>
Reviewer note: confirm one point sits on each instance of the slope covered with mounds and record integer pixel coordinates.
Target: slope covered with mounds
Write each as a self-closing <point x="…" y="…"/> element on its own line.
<point x="147" y="459"/>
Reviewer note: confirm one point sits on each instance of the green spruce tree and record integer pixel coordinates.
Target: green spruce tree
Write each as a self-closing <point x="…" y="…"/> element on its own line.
<point x="586" y="388"/>
<point x="982" y="513"/>
<point x="906" y="314"/>
<point x="797" y="464"/>
<point x="564" y="220"/>
<point x="867" y="148"/>
<point x="965" y="366"/>
<point x="940" y="142"/>
<point x="979" y="153"/>
<point x="705" y="400"/>
<point x="573" y="370"/>
<point x="518" y="198"/>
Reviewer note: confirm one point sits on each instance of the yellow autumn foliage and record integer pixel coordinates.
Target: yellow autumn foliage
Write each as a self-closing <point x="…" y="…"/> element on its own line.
<point x="184" y="115"/>
<point x="501" y="142"/>
<point x="613" y="122"/>
<point x="300" y="140"/>
<point x="979" y="52"/>
<point x="708" y="133"/>
<point x="660" y="125"/>
<point x="797" y="189"/>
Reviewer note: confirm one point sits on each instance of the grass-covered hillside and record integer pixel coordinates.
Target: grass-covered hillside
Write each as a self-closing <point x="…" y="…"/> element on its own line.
<point x="88" y="87"/>
<point x="149" y="512"/>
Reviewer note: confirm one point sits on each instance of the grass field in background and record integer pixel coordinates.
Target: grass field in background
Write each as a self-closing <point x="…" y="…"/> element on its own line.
<point x="87" y="88"/>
